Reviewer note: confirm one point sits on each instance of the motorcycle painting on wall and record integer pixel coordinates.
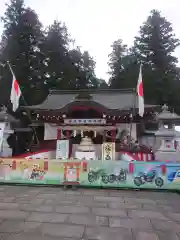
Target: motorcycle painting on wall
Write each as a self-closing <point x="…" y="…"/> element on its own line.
<point x="148" y="177"/>
<point x="115" y="177"/>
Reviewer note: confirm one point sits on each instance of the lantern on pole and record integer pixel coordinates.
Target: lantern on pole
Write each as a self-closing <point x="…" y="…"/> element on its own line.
<point x="14" y="165"/>
<point x="46" y="165"/>
<point x="84" y="166"/>
<point x="163" y="169"/>
<point x="131" y="167"/>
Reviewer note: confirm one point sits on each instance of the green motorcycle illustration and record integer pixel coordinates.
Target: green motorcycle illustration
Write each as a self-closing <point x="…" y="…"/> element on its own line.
<point x="94" y="176"/>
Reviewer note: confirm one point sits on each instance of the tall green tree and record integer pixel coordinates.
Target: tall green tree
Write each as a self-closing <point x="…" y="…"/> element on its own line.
<point x="21" y="46"/>
<point x="80" y="70"/>
<point x="55" y="49"/>
<point x="116" y="63"/>
<point x="154" y="47"/>
<point x="87" y="77"/>
<point x="66" y="68"/>
<point x="123" y="66"/>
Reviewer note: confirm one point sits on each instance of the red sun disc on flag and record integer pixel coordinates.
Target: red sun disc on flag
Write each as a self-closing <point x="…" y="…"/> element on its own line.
<point x="16" y="87"/>
<point x="140" y="89"/>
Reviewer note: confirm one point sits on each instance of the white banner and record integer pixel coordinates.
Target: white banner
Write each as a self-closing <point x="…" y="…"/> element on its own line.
<point x="50" y="131"/>
<point x="2" y="127"/>
<point x="41" y="155"/>
<point x="85" y="155"/>
<point x="62" y="149"/>
<point x="108" y="151"/>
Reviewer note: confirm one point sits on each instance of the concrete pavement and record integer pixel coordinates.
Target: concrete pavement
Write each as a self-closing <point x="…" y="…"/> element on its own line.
<point x="45" y="213"/>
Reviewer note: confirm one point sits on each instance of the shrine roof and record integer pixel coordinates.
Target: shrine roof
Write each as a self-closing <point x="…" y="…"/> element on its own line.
<point x="165" y="114"/>
<point x="107" y="98"/>
<point x="167" y="133"/>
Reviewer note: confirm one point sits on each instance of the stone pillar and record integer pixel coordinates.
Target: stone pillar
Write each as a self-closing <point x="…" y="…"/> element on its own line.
<point x="6" y="150"/>
<point x="70" y="144"/>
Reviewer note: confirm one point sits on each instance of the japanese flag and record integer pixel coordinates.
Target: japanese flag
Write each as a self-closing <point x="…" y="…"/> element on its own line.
<point x="140" y="93"/>
<point x="15" y="92"/>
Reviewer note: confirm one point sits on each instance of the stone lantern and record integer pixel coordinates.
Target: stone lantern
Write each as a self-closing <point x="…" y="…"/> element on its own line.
<point x="166" y="135"/>
<point x="6" y="129"/>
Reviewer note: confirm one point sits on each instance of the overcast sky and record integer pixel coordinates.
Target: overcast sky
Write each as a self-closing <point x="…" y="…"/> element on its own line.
<point x="95" y="24"/>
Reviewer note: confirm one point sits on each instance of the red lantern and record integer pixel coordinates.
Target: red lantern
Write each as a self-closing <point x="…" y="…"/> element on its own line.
<point x="131" y="167"/>
<point x="45" y="165"/>
<point x="163" y="169"/>
<point x="84" y="166"/>
<point x="13" y="165"/>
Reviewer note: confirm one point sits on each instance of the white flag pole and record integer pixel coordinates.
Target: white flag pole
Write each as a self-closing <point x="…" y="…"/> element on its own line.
<point x="133" y="110"/>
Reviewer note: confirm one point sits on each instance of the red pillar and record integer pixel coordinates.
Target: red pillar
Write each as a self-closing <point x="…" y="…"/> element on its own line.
<point x="58" y="134"/>
<point x="65" y="171"/>
<point x="84" y="166"/>
<point x="113" y="133"/>
<point x="67" y="135"/>
<point x="141" y="156"/>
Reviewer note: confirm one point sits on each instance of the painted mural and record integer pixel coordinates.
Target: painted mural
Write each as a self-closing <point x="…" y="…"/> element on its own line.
<point x="119" y="174"/>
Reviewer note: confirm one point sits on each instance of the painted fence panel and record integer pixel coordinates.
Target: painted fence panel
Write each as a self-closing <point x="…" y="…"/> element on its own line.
<point x="119" y="174"/>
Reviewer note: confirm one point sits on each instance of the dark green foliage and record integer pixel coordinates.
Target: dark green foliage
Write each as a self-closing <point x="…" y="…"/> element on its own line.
<point x="23" y="38"/>
<point x="123" y="66"/>
<point x="41" y="59"/>
<point x="44" y="59"/>
<point x="66" y="68"/>
<point x="154" y="48"/>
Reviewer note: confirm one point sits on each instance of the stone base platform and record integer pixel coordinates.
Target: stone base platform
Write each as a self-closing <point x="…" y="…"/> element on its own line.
<point x="49" y="213"/>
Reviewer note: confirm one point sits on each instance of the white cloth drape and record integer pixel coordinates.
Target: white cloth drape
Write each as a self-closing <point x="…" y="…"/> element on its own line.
<point x="2" y="127"/>
<point x="50" y="131"/>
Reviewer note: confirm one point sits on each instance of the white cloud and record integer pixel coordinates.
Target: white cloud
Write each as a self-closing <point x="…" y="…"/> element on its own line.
<point x="95" y="24"/>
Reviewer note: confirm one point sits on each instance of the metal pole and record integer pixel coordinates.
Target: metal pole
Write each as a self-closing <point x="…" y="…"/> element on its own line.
<point x="133" y="111"/>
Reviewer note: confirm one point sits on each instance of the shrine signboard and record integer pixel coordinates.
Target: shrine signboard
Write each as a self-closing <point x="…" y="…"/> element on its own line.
<point x="95" y="121"/>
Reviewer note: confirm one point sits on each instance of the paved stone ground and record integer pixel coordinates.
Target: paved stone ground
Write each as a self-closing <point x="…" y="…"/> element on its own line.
<point x="45" y="213"/>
